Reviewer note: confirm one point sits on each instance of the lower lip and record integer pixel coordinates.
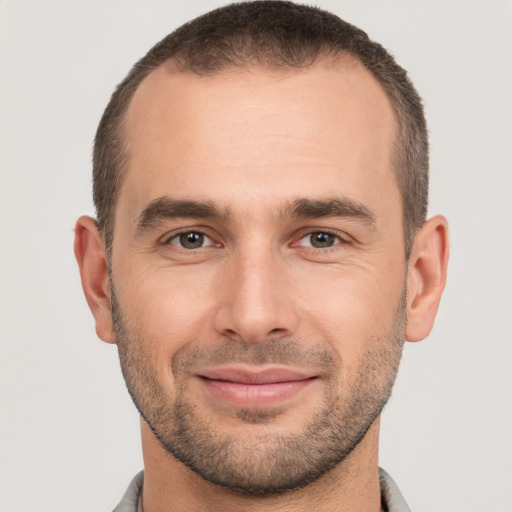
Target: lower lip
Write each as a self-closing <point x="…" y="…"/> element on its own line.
<point x="255" y="396"/>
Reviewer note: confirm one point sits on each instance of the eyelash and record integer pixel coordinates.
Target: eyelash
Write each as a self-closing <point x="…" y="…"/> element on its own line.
<point x="339" y="239"/>
<point x="168" y="239"/>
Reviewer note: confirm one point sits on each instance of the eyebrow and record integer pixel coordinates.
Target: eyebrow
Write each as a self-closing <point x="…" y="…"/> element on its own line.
<point x="165" y="208"/>
<point x="321" y="209"/>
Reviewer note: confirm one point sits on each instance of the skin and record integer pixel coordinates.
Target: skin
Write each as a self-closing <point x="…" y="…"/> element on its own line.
<point x="252" y="142"/>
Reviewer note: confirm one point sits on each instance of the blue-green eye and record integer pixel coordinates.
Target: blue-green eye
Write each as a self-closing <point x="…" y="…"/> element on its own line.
<point x="319" y="240"/>
<point x="191" y="240"/>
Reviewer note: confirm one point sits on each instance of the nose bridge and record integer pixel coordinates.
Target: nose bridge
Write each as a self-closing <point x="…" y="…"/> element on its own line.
<point x="256" y="304"/>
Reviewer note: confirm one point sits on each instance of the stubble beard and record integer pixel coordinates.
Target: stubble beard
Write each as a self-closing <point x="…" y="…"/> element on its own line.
<point x="264" y="463"/>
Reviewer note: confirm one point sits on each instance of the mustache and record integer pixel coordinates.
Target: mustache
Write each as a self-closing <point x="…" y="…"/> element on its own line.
<point x="280" y="352"/>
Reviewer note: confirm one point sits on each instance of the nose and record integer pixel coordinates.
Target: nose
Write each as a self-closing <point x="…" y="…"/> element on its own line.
<point x="257" y="299"/>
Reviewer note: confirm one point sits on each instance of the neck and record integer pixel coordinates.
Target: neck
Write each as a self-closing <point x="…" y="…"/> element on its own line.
<point x="353" y="485"/>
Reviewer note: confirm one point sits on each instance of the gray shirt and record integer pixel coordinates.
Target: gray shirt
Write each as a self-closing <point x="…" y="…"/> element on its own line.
<point x="392" y="499"/>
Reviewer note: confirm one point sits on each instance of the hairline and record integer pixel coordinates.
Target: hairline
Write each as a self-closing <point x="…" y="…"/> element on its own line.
<point x="179" y="65"/>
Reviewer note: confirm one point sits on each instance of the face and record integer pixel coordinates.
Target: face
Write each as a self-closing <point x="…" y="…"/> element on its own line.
<point x="258" y="271"/>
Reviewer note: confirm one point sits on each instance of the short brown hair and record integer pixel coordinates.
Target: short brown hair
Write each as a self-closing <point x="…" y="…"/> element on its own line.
<point x="278" y="35"/>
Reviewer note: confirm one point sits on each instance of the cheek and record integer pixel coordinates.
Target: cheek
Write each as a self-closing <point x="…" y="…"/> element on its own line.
<point x="351" y="309"/>
<point x="166" y="309"/>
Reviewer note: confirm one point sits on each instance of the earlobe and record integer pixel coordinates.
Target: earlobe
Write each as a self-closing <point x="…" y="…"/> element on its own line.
<point x="427" y="277"/>
<point x="92" y="261"/>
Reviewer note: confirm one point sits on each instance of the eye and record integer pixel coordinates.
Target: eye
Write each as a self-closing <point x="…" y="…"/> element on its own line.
<point x="191" y="240"/>
<point x="319" y="240"/>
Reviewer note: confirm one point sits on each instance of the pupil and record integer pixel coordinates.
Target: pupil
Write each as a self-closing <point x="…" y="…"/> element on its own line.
<point x="192" y="240"/>
<point x="320" y="240"/>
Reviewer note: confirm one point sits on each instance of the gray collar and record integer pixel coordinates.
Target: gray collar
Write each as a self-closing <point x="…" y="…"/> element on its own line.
<point x="392" y="499"/>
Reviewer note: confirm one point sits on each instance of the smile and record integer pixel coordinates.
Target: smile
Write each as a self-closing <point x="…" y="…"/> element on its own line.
<point x="255" y="389"/>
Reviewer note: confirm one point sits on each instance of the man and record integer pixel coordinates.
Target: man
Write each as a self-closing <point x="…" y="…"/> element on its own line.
<point x="261" y="253"/>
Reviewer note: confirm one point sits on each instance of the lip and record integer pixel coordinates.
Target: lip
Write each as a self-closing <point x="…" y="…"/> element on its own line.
<point x="255" y="388"/>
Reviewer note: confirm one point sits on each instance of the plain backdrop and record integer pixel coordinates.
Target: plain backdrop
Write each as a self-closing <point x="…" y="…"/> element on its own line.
<point x="69" y="434"/>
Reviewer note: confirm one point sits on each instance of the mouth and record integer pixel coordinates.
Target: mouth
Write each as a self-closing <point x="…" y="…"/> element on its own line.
<point x="255" y="388"/>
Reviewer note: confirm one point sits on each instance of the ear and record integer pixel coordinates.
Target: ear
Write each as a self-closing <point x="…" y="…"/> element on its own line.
<point x="92" y="260"/>
<point x="427" y="277"/>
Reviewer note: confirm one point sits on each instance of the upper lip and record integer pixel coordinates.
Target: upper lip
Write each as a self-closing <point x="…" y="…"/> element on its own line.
<point x="273" y="375"/>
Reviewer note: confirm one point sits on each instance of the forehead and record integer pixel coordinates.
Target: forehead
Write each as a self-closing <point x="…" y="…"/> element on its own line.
<point x="315" y="129"/>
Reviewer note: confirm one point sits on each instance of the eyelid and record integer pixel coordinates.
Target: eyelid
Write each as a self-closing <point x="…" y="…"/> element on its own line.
<point x="168" y="237"/>
<point x="304" y="232"/>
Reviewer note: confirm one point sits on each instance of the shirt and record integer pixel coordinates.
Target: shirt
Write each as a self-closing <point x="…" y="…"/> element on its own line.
<point x="392" y="499"/>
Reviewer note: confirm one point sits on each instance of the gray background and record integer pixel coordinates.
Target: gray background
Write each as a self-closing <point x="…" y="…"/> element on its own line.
<point x="69" y="437"/>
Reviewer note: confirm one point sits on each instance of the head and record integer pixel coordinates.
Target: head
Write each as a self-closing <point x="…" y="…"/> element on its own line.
<point x="262" y="251"/>
<point x="274" y="35"/>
